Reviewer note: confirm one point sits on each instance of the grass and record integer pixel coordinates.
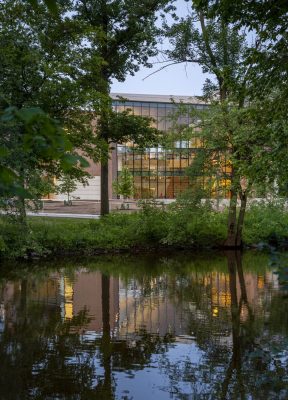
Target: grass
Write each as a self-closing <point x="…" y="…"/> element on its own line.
<point x="187" y="228"/>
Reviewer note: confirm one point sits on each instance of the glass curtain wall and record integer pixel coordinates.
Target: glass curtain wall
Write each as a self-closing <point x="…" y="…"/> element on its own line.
<point x="158" y="173"/>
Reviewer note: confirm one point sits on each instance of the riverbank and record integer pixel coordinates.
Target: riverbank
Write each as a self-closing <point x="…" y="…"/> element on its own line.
<point x="151" y="228"/>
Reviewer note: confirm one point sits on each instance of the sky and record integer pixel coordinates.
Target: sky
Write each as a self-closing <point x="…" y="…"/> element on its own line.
<point x="181" y="79"/>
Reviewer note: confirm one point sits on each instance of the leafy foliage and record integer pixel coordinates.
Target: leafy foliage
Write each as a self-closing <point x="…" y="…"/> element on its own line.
<point x="125" y="184"/>
<point x="34" y="93"/>
<point x="67" y="185"/>
<point x="237" y="143"/>
<point x="116" y="37"/>
<point x="33" y="146"/>
<point x="197" y="227"/>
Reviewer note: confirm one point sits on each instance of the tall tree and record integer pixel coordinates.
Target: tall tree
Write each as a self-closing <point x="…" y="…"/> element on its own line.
<point x="268" y="21"/>
<point x="117" y="37"/>
<point x="32" y="76"/>
<point x="236" y="139"/>
<point x="219" y="48"/>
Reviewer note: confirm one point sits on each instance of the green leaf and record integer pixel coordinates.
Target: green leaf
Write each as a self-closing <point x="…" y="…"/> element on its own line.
<point x="52" y="6"/>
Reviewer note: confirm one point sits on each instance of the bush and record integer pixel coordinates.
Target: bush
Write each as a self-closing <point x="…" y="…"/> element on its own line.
<point x="18" y="241"/>
<point x="153" y="224"/>
<point x="266" y="222"/>
<point x="197" y="227"/>
<point x="185" y="226"/>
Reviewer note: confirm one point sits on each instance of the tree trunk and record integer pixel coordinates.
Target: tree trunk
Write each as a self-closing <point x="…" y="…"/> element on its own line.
<point x="241" y="217"/>
<point x="104" y="136"/>
<point x="103" y="87"/>
<point x="235" y="312"/>
<point x="244" y="297"/>
<point x="106" y="388"/>
<point x="241" y="277"/>
<point x="232" y="221"/>
<point x="21" y="203"/>
<point x="235" y="362"/>
<point x="22" y="212"/>
<point x="104" y="188"/>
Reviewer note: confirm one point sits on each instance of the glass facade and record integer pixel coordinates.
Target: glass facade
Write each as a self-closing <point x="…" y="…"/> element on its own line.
<point x="159" y="173"/>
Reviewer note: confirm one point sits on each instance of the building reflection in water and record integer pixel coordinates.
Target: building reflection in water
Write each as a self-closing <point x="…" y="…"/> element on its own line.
<point x="158" y="305"/>
<point x="87" y="334"/>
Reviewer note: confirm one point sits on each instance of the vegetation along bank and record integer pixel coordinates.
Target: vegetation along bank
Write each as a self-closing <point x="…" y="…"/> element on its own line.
<point x="195" y="227"/>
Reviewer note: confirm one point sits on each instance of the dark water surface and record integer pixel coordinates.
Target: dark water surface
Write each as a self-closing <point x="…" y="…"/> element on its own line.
<point x="167" y="327"/>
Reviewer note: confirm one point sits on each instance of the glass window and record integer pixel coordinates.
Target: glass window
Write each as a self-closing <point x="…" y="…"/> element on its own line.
<point x="145" y="110"/>
<point x="195" y="142"/>
<point x="137" y="162"/>
<point x="153" y="165"/>
<point x="153" y="111"/>
<point x="153" y="186"/>
<point x="161" y="164"/>
<point x="161" y="125"/>
<point x="184" y="162"/>
<point x="119" y="162"/>
<point x="161" y="187"/>
<point x="161" y="112"/>
<point x="137" y="187"/>
<point x="137" y="110"/>
<point x="145" y="162"/>
<point x="169" y="187"/>
<point x="129" y="163"/>
<point x="145" y="187"/>
<point x="169" y="124"/>
<point x="158" y="172"/>
<point x="121" y="149"/>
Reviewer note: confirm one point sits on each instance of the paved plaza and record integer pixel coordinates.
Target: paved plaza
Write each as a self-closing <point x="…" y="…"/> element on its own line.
<point x="83" y="208"/>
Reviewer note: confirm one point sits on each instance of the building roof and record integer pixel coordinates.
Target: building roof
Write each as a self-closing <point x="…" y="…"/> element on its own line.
<point x="159" y="98"/>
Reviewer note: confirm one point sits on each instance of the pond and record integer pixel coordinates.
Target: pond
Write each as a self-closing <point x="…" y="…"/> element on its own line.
<point x="182" y="326"/>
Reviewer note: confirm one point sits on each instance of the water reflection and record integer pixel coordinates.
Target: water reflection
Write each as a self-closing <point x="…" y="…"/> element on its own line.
<point x="125" y="328"/>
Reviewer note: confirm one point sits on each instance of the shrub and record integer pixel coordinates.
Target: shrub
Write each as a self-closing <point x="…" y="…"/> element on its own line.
<point x="178" y="225"/>
<point x="265" y="222"/>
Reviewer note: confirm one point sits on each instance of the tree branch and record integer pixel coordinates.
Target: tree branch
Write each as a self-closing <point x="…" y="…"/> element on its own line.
<point x="169" y="65"/>
<point x="206" y="40"/>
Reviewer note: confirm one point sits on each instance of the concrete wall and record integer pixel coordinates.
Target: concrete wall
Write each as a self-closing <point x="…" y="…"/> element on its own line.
<point x="89" y="192"/>
<point x="92" y="191"/>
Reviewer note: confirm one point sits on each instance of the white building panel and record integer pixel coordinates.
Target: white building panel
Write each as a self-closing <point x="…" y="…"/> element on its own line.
<point x="87" y="192"/>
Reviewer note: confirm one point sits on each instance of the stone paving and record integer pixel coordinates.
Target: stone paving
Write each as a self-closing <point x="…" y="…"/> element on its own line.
<point x="84" y="207"/>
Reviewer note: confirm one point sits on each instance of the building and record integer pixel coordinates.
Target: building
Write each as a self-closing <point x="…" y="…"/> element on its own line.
<point x="157" y="173"/>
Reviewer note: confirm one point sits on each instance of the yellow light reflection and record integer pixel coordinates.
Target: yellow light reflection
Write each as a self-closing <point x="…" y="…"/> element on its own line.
<point x="68" y="294"/>
<point x="68" y="310"/>
<point x="215" y="312"/>
<point x="260" y="282"/>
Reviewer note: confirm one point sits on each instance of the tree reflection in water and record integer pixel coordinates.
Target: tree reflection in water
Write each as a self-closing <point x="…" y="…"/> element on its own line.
<point x="254" y="366"/>
<point x="224" y="349"/>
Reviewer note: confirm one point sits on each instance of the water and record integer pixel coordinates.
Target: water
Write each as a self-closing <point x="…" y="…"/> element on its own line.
<point x="158" y="327"/>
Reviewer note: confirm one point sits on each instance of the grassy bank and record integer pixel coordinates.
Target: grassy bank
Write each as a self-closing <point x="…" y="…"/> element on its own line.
<point x="186" y="228"/>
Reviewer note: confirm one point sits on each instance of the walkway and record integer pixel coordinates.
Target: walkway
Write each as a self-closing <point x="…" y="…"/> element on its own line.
<point x="78" y="209"/>
<point x="59" y="215"/>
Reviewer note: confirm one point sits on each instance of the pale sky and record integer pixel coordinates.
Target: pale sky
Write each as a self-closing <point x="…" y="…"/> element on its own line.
<point x="181" y="79"/>
<point x="178" y="79"/>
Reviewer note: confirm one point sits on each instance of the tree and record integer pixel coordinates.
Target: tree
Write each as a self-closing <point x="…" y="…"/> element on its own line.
<point x="67" y="186"/>
<point x="268" y="78"/>
<point x="34" y="150"/>
<point x="269" y="20"/>
<point x="125" y="184"/>
<point x="219" y="49"/>
<point x="235" y="145"/>
<point x="116" y="37"/>
<point x="33" y="145"/>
